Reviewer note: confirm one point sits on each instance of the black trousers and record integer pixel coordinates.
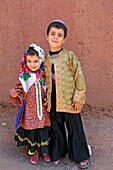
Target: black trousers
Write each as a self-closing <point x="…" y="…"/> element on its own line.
<point x="73" y="141"/>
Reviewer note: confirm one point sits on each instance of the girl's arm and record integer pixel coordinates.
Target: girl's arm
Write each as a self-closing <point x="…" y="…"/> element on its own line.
<point x="16" y="94"/>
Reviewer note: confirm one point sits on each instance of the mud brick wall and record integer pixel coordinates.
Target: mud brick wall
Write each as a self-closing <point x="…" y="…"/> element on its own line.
<point x="90" y="36"/>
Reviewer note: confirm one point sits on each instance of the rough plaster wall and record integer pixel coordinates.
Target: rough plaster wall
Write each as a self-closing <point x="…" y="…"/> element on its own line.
<point x="95" y="48"/>
<point x="90" y="36"/>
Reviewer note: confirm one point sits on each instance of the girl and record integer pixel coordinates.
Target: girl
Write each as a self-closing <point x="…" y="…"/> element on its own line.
<point x="33" y="120"/>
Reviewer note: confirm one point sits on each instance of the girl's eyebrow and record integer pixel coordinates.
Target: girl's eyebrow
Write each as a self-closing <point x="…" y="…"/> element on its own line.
<point x="28" y="60"/>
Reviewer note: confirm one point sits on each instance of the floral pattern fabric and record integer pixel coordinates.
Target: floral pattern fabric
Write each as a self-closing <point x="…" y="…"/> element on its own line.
<point x="30" y="119"/>
<point x="70" y="83"/>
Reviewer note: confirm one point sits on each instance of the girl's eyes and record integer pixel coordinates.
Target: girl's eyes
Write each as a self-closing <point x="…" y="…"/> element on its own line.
<point x="36" y="61"/>
<point x="28" y="61"/>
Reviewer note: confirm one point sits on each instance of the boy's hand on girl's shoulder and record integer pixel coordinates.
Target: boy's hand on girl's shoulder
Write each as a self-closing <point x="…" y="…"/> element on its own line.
<point x="77" y="105"/>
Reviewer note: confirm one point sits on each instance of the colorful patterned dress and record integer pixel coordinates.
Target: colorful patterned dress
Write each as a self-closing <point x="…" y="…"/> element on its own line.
<point x="32" y="131"/>
<point x="33" y="119"/>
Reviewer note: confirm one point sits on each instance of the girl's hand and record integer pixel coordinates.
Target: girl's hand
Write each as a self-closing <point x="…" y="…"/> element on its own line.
<point x="77" y="105"/>
<point x="18" y="89"/>
<point x="13" y="93"/>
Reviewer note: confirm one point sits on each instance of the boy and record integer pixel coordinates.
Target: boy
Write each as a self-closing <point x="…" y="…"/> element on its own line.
<point x="66" y="93"/>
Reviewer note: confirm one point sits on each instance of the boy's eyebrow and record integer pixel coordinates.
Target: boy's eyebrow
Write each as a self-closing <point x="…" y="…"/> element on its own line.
<point x="58" y="32"/>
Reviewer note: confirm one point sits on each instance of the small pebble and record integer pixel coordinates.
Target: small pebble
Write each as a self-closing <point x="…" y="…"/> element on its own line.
<point x="4" y="123"/>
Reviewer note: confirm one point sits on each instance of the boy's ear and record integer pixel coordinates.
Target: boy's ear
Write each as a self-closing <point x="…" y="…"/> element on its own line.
<point x="47" y="37"/>
<point x="64" y="40"/>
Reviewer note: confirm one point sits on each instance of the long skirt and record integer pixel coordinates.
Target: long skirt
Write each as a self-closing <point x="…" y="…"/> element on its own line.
<point x="35" y="140"/>
<point x="72" y="141"/>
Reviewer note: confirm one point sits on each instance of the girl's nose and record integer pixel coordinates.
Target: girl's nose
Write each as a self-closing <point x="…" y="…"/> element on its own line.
<point x="32" y="64"/>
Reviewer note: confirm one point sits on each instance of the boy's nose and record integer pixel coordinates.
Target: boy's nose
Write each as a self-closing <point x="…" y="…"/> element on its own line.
<point x="56" y="36"/>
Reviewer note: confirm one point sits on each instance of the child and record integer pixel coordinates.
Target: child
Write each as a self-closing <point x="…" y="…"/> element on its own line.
<point x="33" y="120"/>
<point x="66" y="93"/>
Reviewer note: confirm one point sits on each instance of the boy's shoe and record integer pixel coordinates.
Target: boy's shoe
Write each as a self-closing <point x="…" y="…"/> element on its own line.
<point x="84" y="164"/>
<point x="46" y="158"/>
<point x="56" y="163"/>
<point x="34" y="159"/>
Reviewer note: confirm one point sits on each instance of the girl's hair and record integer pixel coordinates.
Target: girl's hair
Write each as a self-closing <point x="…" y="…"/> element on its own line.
<point x="31" y="51"/>
<point x="57" y="24"/>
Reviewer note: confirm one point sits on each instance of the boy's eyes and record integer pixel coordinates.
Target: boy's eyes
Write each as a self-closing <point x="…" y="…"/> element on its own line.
<point x="59" y="35"/>
<point x="52" y="33"/>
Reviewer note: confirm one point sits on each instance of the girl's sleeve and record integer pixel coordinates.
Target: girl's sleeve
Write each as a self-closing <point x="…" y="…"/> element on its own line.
<point x="16" y="94"/>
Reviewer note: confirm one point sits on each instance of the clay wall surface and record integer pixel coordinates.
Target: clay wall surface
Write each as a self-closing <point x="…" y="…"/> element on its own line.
<point x="90" y="36"/>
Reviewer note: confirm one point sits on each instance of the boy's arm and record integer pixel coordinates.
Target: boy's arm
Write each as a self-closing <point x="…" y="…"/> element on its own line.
<point x="77" y="105"/>
<point x="80" y="89"/>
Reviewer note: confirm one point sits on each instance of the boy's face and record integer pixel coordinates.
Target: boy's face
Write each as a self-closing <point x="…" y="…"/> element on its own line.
<point x="33" y="62"/>
<point x="55" y="38"/>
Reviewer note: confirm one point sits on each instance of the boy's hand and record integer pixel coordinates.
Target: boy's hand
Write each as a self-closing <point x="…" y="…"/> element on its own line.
<point x="45" y="104"/>
<point x="77" y="105"/>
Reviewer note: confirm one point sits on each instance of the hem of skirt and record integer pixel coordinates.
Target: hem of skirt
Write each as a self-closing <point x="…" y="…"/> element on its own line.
<point x="25" y="139"/>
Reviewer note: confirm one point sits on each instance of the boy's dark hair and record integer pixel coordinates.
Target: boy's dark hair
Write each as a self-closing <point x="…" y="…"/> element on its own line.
<point x="57" y="24"/>
<point x="31" y="51"/>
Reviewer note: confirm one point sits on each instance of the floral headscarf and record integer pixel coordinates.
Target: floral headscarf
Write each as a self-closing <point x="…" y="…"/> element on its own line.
<point x="28" y="77"/>
<point x="25" y="71"/>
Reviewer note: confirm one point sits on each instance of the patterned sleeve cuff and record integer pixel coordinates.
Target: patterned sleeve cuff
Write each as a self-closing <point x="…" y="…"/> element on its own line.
<point x="79" y="96"/>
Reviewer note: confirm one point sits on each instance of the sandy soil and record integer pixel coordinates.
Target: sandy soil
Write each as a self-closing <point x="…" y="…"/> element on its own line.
<point x="98" y="125"/>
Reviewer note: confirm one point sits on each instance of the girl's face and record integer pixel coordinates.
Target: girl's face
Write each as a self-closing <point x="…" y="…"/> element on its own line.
<point x="33" y="62"/>
<point x="55" y="38"/>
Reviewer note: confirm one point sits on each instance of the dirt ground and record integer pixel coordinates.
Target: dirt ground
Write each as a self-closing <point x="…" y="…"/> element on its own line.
<point x="98" y="125"/>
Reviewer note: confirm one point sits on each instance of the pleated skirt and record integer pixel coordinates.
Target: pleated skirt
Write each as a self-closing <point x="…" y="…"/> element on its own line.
<point x="35" y="140"/>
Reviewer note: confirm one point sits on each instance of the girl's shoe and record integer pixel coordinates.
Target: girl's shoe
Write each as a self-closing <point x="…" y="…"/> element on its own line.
<point x="84" y="164"/>
<point x="46" y="158"/>
<point x="34" y="159"/>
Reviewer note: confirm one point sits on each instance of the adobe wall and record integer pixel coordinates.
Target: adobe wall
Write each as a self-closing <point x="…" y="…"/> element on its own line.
<point x="90" y="36"/>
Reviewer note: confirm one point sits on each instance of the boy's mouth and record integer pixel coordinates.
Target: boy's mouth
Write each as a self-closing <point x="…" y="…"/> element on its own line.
<point x="55" y="41"/>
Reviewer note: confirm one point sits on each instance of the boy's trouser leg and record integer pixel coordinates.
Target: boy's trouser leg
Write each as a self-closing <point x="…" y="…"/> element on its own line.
<point x="58" y="142"/>
<point x="77" y="145"/>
